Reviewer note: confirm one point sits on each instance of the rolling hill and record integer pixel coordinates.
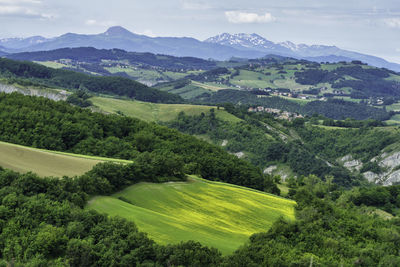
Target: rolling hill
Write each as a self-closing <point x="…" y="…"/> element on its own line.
<point x="155" y="112"/>
<point x="216" y="214"/>
<point x="45" y="162"/>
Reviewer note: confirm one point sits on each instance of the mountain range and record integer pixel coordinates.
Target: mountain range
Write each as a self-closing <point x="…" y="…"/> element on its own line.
<point x="220" y="47"/>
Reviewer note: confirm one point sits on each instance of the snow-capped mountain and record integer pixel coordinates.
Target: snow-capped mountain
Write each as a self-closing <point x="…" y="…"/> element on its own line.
<point x="242" y="40"/>
<point x="255" y="42"/>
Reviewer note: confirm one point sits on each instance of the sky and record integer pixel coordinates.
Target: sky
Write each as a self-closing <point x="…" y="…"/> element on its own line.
<point x="366" y="26"/>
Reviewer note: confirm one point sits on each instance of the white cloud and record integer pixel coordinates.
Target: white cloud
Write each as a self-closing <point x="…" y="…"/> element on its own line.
<point x="20" y="11"/>
<point x="392" y="22"/>
<point x="93" y="22"/>
<point x="191" y="5"/>
<point x="23" y="8"/>
<point x="248" y="17"/>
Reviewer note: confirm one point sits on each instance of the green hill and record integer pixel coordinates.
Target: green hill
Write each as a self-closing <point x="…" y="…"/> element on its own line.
<point x="45" y="162"/>
<point x="216" y="214"/>
<point x="155" y="112"/>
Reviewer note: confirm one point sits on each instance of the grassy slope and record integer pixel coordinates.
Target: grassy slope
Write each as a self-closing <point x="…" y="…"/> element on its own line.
<point x="215" y="214"/>
<point x="155" y="112"/>
<point x="45" y="162"/>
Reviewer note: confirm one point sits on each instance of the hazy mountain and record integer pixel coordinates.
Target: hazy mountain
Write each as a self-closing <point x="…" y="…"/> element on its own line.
<point x="220" y="47"/>
<point x="251" y="42"/>
<point x="21" y="43"/>
<point x="118" y="37"/>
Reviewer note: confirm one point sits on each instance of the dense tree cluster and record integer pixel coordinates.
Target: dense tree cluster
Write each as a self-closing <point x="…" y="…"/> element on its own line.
<point x="386" y="198"/>
<point x="361" y="143"/>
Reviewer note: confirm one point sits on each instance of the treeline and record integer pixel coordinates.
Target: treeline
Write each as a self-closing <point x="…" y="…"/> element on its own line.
<point x="362" y="143"/>
<point x="339" y="109"/>
<point x="26" y="72"/>
<point x="42" y="123"/>
<point x="386" y="198"/>
<point x="332" y="108"/>
<point x="93" y="55"/>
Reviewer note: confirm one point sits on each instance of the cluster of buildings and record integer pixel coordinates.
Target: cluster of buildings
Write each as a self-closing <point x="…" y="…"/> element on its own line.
<point x="280" y="114"/>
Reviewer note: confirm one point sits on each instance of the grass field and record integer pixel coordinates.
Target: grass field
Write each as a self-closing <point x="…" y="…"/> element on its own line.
<point x="215" y="214"/>
<point x="46" y="163"/>
<point x="51" y="64"/>
<point x="155" y="112"/>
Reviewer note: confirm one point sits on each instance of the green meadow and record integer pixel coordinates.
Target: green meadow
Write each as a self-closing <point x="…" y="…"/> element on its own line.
<point x="155" y="112"/>
<point x="215" y="214"/>
<point x="45" y="162"/>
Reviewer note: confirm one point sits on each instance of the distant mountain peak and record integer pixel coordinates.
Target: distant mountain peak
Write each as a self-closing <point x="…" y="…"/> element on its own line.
<point x="117" y="31"/>
<point x="241" y="40"/>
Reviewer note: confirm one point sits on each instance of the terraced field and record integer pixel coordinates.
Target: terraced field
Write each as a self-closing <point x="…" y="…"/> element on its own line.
<point x="155" y="112"/>
<point x="216" y="214"/>
<point x="45" y="162"/>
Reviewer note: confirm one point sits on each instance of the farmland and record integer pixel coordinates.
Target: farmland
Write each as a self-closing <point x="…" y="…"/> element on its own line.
<point x="215" y="214"/>
<point x="155" y="112"/>
<point x="44" y="162"/>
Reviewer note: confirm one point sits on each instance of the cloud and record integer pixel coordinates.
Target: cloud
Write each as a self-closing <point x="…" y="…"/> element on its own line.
<point x="20" y="11"/>
<point x="191" y="5"/>
<point x="23" y="8"/>
<point x="93" y="22"/>
<point x="247" y="17"/>
<point x="392" y="22"/>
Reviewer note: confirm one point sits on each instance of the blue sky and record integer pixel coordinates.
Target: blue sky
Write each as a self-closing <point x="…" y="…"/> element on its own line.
<point x="367" y="26"/>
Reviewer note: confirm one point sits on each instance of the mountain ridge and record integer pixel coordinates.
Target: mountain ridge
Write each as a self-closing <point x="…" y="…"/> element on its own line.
<point x="220" y="47"/>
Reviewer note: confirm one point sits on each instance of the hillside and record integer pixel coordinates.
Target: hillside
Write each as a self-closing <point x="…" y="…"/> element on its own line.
<point x="45" y="162"/>
<point x="155" y="112"/>
<point x="216" y="214"/>
<point x="27" y="74"/>
<point x="304" y="87"/>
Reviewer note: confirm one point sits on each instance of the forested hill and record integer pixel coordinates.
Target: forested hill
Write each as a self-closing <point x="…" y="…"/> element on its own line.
<point x="27" y="73"/>
<point x="43" y="123"/>
<point x="93" y="55"/>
